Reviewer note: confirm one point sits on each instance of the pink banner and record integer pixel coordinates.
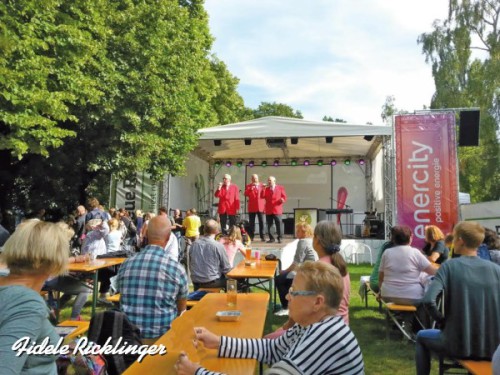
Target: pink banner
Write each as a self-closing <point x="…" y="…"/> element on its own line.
<point x="426" y="173"/>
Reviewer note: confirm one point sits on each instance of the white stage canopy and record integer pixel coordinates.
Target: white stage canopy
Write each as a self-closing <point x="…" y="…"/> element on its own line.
<point x="270" y="138"/>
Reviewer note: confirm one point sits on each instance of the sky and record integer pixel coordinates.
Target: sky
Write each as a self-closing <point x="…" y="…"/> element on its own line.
<point x="339" y="58"/>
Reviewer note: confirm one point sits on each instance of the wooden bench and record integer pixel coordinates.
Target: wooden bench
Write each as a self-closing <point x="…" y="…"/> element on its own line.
<point x="191" y="303"/>
<point x="115" y="298"/>
<point x="407" y="312"/>
<point x="477" y="367"/>
<point x="81" y="327"/>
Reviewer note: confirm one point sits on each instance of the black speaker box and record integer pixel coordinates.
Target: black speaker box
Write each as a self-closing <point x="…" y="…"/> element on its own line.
<point x="469" y="128"/>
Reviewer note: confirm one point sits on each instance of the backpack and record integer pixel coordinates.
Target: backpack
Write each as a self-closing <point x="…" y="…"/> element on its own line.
<point x="77" y="363"/>
<point x="115" y="324"/>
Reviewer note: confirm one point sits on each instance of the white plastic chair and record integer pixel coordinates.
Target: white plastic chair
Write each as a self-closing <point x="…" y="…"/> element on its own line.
<point x="356" y="250"/>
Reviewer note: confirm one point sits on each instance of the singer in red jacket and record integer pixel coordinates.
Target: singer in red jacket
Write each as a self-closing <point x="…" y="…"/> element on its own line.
<point x="255" y="205"/>
<point x="275" y="197"/>
<point x="229" y="202"/>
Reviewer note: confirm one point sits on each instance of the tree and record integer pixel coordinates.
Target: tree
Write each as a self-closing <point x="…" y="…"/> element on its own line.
<point x="389" y="109"/>
<point x="466" y="79"/>
<point x="98" y="87"/>
<point x="276" y="109"/>
<point x="330" y="119"/>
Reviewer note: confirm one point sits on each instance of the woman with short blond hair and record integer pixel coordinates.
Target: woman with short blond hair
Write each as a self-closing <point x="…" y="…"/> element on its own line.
<point x="35" y="251"/>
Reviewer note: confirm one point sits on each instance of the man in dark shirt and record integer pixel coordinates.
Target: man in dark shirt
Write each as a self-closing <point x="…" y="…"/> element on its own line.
<point x="471" y="289"/>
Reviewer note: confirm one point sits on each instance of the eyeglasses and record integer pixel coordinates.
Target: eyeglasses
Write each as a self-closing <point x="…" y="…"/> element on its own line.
<point x="295" y="293"/>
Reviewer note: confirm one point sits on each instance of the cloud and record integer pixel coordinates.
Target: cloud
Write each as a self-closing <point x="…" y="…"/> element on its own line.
<point x="327" y="57"/>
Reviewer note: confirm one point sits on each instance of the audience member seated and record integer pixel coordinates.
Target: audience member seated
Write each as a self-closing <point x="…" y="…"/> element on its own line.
<point x="70" y="285"/>
<point x="374" y="275"/>
<point x="303" y="252"/>
<point x="319" y="343"/>
<point x="208" y="261"/>
<point x="400" y="268"/>
<point x="492" y="242"/>
<point x="153" y="286"/>
<point x="232" y="243"/>
<point x="434" y="248"/>
<point x="471" y="289"/>
<point x="326" y="243"/>
<point x="35" y="251"/>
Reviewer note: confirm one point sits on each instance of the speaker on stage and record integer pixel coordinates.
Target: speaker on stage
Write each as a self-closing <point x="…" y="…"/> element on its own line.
<point x="469" y="128"/>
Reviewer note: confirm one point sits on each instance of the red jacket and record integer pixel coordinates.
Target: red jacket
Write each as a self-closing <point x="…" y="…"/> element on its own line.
<point x="229" y="199"/>
<point x="274" y="205"/>
<point x="255" y="201"/>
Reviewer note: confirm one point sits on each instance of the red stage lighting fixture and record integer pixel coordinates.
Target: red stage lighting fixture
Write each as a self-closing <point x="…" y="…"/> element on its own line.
<point x="228" y="163"/>
<point x="333" y="162"/>
<point x="361" y="161"/>
<point x="306" y="162"/>
<point x="276" y="163"/>
<point x="251" y="163"/>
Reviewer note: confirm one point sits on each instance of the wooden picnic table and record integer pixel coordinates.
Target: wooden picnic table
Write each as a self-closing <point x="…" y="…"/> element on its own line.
<point x="253" y="307"/>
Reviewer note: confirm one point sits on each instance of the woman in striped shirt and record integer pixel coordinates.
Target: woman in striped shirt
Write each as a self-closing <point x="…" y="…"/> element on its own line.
<point x="319" y="343"/>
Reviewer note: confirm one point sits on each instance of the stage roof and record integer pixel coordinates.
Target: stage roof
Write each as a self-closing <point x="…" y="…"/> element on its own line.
<point x="272" y="137"/>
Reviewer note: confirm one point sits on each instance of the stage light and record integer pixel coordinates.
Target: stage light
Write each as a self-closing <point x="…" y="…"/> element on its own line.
<point x="320" y="162"/>
<point x="276" y="163"/>
<point x="333" y="162"/>
<point x="306" y="162"/>
<point x="368" y="138"/>
<point x="361" y="161"/>
<point x="239" y="163"/>
<point x="294" y="162"/>
<point x="228" y="163"/>
<point x="328" y="139"/>
<point x="347" y="161"/>
<point x="217" y="164"/>
<point x="251" y="163"/>
<point x="217" y="142"/>
<point x="248" y="141"/>
<point x="263" y="164"/>
<point x="294" y="141"/>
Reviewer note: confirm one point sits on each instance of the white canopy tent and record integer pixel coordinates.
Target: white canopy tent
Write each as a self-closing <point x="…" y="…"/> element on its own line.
<point x="289" y="138"/>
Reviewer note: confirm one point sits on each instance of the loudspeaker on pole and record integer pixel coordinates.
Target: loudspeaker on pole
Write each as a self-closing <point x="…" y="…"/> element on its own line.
<point x="469" y="128"/>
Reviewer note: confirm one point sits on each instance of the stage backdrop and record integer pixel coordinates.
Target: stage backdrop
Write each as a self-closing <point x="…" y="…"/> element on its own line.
<point x="426" y="173"/>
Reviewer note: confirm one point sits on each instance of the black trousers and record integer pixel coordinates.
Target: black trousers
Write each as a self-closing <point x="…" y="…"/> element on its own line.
<point x="223" y="221"/>
<point x="260" y="217"/>
<point x="276" y="220"/>
<point x="283" y="284"/>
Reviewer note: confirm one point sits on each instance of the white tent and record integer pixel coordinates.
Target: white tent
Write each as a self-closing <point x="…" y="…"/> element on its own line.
<point x="289" y="138"/>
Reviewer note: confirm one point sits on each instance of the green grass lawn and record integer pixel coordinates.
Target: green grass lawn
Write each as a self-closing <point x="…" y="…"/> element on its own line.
<point x="382" y="356"/>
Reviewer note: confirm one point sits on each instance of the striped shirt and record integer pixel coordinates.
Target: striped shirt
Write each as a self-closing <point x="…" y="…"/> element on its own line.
<point x="327" y="347"/>
<point x="150" y="284"/>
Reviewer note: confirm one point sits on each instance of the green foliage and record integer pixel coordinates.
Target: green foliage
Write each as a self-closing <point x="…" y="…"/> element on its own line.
<point x="330" y="119"/>
<point x="103" y="86"/>
<point x="466" y="79"/>
<point x="276" y="109"/>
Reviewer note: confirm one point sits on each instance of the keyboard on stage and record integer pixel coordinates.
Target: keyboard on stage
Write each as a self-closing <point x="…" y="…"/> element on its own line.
<point x="341" y="211"/>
